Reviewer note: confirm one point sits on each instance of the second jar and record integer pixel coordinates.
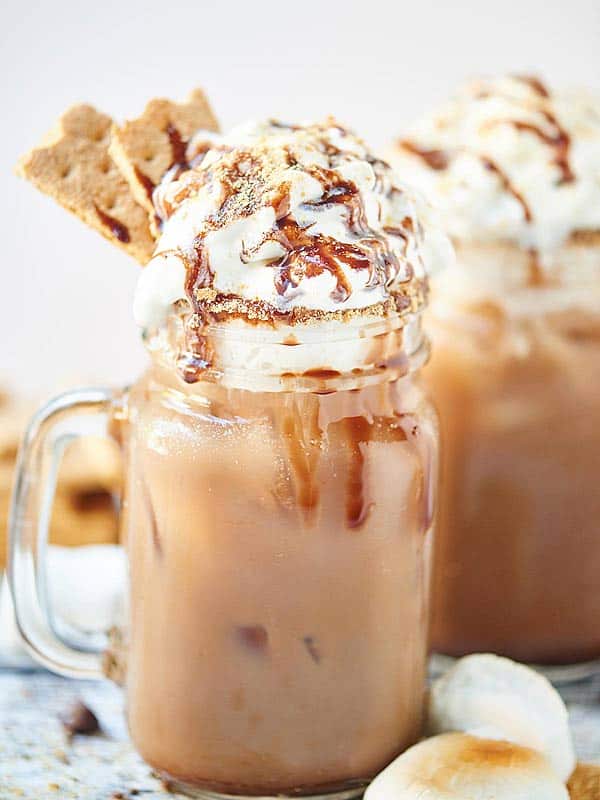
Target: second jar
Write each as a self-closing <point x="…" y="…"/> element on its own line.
<point x="516" y="375"/>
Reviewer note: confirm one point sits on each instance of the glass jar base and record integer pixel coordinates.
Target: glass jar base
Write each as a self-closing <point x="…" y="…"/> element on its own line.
<point x="561" y="675"/>
<point x="207" y="794"/>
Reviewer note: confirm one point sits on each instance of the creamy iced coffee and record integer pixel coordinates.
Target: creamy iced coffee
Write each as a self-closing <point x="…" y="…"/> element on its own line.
<point x="281" y="468"/>
<point x="279" y="549"/>
<point x="514" y="170"/>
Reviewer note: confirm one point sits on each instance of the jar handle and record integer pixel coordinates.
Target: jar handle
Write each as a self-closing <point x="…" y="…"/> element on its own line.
<point x="70" y="416"/>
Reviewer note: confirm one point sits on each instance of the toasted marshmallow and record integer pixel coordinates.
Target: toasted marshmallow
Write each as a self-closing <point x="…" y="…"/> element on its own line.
<point x="490" y="696"/>
<point x="456" y="766"/>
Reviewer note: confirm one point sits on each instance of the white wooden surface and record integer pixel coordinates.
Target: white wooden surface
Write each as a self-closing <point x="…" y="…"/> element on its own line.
<point x="38" y="763"/>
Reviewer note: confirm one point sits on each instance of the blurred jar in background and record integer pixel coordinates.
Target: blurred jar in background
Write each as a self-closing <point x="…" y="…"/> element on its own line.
<point x="515" y="173"/>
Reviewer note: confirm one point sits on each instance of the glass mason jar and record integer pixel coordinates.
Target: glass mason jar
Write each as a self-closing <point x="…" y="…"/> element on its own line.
<point x="278" y="530"/>
<point x="516" y="375"/>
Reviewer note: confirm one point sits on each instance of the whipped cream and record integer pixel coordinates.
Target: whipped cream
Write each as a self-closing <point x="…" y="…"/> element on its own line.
<point x="287" y="220"/>
<point x="508" y="160"/>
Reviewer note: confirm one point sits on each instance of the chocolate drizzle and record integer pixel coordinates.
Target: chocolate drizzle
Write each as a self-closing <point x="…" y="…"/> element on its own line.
<point x="118" y="229"/>
<point x="178" y="146"/>
<point x="310" y="255"/>
<point x="435" y="159"/>
<point x="559" y="141"/>
<point x="549" y="131"/>
<point x="358" y="505"/>
<point x="146" y="182"/>
<point x="507" y="185"/>
<point x="440" y="160"/>
<point x="179" y="164"/>
<point x="534" y="83"/>
<point x="303" y="450"/>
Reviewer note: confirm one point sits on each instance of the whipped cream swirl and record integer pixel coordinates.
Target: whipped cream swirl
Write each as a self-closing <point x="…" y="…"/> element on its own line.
<point x="508" y="160"/>
<point x="286" y="222"/>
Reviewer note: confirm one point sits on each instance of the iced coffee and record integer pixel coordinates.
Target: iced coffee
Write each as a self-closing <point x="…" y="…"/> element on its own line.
<point x="513" y="168"/>
<point x="279" y="547"/>
<point x="281" y="462"/>
<point x="282" y="468"/>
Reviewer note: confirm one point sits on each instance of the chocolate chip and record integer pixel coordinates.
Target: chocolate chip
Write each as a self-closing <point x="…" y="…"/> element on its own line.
<point x="313" y="651"/>
<point x="127" y="795"/>
<point x="96" y="499"/>
<point x="255" y="637"/>
<point x="79" y="719"/>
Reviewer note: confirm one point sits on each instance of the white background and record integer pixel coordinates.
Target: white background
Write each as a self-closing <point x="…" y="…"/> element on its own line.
<point x="66" y="293"/>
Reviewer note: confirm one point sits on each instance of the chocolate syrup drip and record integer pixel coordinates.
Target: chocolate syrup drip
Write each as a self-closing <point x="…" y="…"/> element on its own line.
<point x="118" y="230"/>
<point x="559" y="142"/>
<point x="423" y="442"/>
<point x="178" y="145"/>
<point x="507" y="185"/>
<point x="303" y="457"/>
<point x="435" y="159"/>
<point x="535" y="83"/>
<point x="321" y="373"/>
<point x="146" y="182"/>
<point x="357" y="504"/>
<point x="200" y="355"/>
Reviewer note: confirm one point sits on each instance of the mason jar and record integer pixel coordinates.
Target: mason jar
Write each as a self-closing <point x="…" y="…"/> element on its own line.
<point x="516" y="377"/>
<point x="278" y="525"/>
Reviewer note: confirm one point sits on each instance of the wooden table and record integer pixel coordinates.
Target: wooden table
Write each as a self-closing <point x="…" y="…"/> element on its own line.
<point x="37" y="761"/>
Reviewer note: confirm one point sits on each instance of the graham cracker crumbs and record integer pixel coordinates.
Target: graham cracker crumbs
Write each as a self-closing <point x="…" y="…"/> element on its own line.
<point x="585" y="237"/>
<point x="73" y="166"/>
<point x="114" y="659"/>
<point x="146" y="147"/>
<point x="584" y="783"/>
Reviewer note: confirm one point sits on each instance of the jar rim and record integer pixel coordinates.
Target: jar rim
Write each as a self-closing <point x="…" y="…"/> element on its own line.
<point x="300" y="357"/>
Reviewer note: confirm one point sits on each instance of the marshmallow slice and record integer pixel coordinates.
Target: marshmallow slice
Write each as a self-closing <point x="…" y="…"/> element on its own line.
<point x="496" y="698"/>
<point x="456" y="766"/>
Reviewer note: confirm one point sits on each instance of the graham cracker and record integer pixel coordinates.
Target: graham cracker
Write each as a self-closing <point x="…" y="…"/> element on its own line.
<point x="73" y="165"/>
<point x="584" y="783"/>
<point x="146" y="147"/>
